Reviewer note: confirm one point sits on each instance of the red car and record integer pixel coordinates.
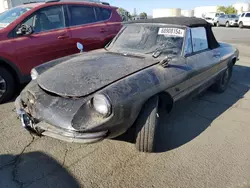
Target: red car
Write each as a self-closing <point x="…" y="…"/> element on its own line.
<point x="32" y="34"/>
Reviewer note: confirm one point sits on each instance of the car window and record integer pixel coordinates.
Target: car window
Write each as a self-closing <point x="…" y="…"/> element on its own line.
<point x="30" y="21"/>
<point x="233" y="16"/>
<point x="49" y="18"/>
<point x="247" y="15"/>
<point x="188" y="49"/>
<point x="46" y="19"/>
<point x="11" y="15"/>
<point x="243" y="15"/>
<point x="199" y="39"/>
<point x="80" y="15"/>
<point x="103" y="14"/>
<point x="222" y="16"/>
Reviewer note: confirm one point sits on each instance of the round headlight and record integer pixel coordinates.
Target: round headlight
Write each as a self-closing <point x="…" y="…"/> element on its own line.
<point x="34" y="74"/>
<point x="101" y="104"/>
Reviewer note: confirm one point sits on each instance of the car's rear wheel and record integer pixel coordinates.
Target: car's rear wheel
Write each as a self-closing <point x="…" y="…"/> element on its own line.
<point x="223" y="81"/>
<point x="146" y="125"/>
<point x="6" y="85"/>
<point x="241" y="25"/>
<point x="227" y="24"/>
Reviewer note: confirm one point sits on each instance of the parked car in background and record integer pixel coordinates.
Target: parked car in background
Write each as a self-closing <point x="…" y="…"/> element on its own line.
<point x="227" y="20"/>
<point x="34" y="33"/>
<point x="209" y="20"/>
<point x="212" y="17"/>
<point x="244" y="20"/>
<point x="148" y="66"/>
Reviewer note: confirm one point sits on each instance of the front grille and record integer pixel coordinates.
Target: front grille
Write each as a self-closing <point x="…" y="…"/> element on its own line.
<point x="236" y="20"/>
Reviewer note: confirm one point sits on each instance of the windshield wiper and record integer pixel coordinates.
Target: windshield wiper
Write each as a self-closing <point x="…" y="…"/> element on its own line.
<point x="157" y="52"/>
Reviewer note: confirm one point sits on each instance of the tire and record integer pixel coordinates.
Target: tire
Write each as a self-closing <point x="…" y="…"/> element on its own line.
<point x="7" y="89"/>
<point x="217" y="24"/>
<point x="222" y="83"/>
<point x="146" y="125"/>
<point x="227" y="24"/>
<point x="241" y="25"/>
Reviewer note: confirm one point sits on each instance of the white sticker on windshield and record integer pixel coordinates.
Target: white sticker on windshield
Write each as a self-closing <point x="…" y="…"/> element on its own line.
<point x="171" y="31"/>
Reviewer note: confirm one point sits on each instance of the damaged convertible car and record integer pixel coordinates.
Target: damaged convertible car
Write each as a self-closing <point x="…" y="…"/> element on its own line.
<point x="149" y="65"/>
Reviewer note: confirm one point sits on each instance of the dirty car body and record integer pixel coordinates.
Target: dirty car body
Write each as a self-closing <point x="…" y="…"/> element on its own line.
<point x="90" y="96"/>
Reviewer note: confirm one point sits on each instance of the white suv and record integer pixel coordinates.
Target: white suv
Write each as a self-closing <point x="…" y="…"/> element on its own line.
<point x="244" y="19"/>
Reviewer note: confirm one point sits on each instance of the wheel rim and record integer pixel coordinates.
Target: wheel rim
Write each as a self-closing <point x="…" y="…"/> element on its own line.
<point x="225" y="78"/>
<point x="2" y="86"/>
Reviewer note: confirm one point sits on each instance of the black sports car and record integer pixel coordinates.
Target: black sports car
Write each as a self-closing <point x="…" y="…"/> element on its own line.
<point x="90" y="96"/>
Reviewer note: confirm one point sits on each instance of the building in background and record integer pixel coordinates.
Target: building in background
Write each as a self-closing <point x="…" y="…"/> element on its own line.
<point x="241" y="7"/>
<point x="4" y="5"/>
<point x="200" y="12"/>
<point x="187" y="13"/>
<point x="166" y="12"/>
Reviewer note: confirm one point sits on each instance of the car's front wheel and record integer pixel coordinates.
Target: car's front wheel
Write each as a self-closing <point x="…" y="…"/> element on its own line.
<point x="6" y="85"/>
<point x="218" y="24"/>
<point x="146" y="125"/>
<point x="227" y="24"/>
<point x="223" y="82"/>
<point x="241" y="25"/>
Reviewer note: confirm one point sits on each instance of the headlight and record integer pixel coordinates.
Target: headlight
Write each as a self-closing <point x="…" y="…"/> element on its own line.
<point x="34" y="74"/>
<point x="101" y="104"/>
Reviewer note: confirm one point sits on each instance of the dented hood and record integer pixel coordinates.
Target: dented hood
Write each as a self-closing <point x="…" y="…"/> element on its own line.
<point x="85" y="74"/>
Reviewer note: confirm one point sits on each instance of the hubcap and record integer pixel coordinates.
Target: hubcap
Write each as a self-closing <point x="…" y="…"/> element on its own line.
<point x="2" y="86"/>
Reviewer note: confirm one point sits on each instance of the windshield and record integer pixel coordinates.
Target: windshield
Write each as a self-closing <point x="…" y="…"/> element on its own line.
<point x="148" y="39"/>
<point x="11" y="15"/>
<point x="232" y="16"/>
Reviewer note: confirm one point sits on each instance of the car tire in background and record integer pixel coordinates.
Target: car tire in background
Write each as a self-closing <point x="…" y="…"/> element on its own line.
<point x="217" y="24"/>
<point x="146" y="125"/>
<point x="241" y="25"/>
<point x="223" y="81"/>
<point x="6" y="85"/>
<point x="227" y="24"/>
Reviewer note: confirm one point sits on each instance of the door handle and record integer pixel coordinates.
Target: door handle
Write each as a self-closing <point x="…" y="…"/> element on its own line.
<point x="102" y="30"/>
<point x="63" y="37"/>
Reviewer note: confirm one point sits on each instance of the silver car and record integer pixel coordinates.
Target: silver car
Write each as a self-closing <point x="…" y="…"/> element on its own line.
<point x="227" y="20"/>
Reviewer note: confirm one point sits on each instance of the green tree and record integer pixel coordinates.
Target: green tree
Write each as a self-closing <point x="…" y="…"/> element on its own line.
<point x="143" y="15"/>
<point x="124" y="14"/>
<point x="227" y="10"/>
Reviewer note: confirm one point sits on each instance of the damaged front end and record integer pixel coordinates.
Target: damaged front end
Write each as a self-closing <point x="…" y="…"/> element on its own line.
<point x="61" y="118"/>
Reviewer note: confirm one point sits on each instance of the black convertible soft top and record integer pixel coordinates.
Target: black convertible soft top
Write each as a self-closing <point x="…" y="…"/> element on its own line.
<point x="185" y="21"/>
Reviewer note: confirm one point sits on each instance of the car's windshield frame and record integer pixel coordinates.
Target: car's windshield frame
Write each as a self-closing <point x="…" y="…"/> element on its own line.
<point x="109" y="46"/>
<point x="8" y="13"/>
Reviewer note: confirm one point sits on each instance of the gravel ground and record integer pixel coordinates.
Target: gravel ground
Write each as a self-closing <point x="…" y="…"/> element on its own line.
<point x="203" y="143"/>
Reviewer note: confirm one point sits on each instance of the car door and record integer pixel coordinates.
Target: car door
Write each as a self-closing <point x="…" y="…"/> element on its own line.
<point x="110" y="24"/>
<point x="204" y="61"/>
<point x="200" y="60"/>
<point x="85" y="28"/>
<point x="247" y="19"/>
<point x="200" y="64"/>
<point x="48" y="41"/>
<point x="241" y="18"/>
<point x="223" y="19"/>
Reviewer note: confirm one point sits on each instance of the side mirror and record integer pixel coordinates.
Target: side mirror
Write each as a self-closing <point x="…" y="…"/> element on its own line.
<point x="79" y="46"/>
<point x="24" y="29"/>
